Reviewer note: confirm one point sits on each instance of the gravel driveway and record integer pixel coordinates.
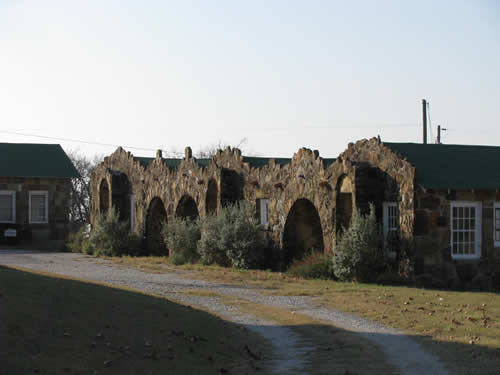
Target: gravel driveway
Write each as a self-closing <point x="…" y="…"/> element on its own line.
<point x="292" y="352"/>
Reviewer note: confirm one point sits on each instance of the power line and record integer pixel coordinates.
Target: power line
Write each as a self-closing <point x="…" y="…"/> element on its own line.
<point x="77" y="141"/>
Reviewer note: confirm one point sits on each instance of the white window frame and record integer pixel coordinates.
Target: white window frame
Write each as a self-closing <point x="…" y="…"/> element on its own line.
<point x="477" y="230"/>
<point x="13" y="197"/>
<point x="496" y="206"/>
<point x="264" y="211"/>
<point x="39" y="192"/>
<point x="386" y="222"/>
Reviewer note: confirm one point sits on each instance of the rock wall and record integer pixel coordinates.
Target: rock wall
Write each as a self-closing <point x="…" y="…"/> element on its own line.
<point x="306" y="176"/>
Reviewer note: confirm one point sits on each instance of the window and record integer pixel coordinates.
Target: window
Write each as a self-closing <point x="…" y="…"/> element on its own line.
<point x="263" y="211"/>
<point x="496" y="224"/>
<point x="132" y="212"/>
<point x="391" y="218"/>
<point x="38" y="206"/>
<point x="465" y="228"/>
<point x="7" y="206"/>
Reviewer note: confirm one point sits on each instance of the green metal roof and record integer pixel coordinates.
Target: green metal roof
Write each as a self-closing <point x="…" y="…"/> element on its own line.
<point x="452" y="166"/>
<point x="171" y="163"/>
<point x="35" y="160"/>
<point x="259" y="162"/>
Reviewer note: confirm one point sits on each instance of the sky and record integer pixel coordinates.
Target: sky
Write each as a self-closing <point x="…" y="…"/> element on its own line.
<point x="272" y="76"/>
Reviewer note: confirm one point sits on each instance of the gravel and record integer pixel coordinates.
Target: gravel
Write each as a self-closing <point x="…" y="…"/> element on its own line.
<point x="290" y="353"/>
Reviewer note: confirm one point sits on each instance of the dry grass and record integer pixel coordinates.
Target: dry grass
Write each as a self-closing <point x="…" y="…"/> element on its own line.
<point x="461" y="327"/>
<point x="58" y="325"/>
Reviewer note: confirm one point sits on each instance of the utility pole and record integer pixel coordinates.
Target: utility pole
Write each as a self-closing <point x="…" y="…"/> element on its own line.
<point x="439" y="134"/>
<point x="424" y="119"/>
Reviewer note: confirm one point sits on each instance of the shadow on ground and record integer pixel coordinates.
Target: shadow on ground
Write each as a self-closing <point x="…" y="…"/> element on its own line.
<point x="57" y="325"/>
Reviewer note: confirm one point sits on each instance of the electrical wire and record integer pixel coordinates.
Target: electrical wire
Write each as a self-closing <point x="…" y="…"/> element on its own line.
<point x="430" y="123"/>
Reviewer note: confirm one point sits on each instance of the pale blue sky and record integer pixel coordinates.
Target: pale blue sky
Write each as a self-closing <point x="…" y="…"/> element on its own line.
<point x="282" y="74"/>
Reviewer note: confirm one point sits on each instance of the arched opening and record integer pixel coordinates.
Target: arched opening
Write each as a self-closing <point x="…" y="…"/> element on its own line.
<point x="231" y="187"/>
<point x="211" y="199"/>
<point x="187" y="208"/>
<point x="120" y="197"/>
<point x="155" y="218"/>
<point x="103" y="197"/>
<point x="303" y="233"/>
<point x="344" y="203"/>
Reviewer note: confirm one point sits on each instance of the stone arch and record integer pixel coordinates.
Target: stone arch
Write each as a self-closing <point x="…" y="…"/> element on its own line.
<point x="303" y="232"/>
<point x="155" y="217"/>
<point x="187" y="208"/>
<point x="120" y="197"/>
<point x="211" y="197"/>
<point x="231" y="187"/>
<point x="103" y="196"/>
<point x="344" y="202"/>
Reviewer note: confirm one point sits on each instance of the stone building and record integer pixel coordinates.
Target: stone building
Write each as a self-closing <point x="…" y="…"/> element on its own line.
<point x="440" y="195"/>
<point x="35" y="186"/>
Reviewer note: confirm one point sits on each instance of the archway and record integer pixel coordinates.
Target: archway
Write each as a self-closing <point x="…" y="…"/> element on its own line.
<point x="186" y="208"/>
<point x="155" y="218"/>
<point x="231" y="187"/>
<point x="120" y="197"/>
<point x="211" y="199"/>
<point x="344" y="203"/>
<point x="103" y="196"/>
<point x="303" y="233"/>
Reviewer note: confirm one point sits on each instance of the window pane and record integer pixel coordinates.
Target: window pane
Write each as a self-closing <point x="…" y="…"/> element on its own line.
<point x="6" y="212"/>
<point x="38" y="209"/>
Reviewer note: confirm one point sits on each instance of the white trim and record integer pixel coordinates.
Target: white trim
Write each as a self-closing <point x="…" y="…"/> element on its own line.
<point x="496" y="205"/>
<point x="477" y="229"/>
<point x="13" y="197"/>
<point x="46" y="194"/>
<point x="385" y="206"/>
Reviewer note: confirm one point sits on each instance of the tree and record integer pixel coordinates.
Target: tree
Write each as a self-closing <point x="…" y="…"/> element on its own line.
<point x="80" y="187"/>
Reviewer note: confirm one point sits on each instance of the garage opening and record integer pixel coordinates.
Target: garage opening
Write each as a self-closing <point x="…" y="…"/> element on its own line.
<point x="155" y="217"/>
<point x="303" y="233"/>
<point x="211" y="199"/>
<point x="103" y="197"/>
<point x="187" y="208"/>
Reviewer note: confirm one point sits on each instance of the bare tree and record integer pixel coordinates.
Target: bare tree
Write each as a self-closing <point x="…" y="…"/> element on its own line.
<point x="80" y="187"/>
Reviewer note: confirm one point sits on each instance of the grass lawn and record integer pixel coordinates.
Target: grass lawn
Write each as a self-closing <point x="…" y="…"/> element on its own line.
<point x="57" y="325"/>
<point x="462" y="328"/>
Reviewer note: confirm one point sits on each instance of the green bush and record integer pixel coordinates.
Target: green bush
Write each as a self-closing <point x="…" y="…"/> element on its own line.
<point x="358" y="254"/>
<point x="233" y="237"/>
<point x="112" y="237"/>
<point x="78" y="241"/>
<point x="314" y="266"/>
<point x="181" y="237"/>
<point x="208" y="246"/>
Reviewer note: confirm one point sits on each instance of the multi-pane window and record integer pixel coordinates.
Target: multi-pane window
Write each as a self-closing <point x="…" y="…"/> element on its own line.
<point x="391" y="217"/>
<point x="7" y="206"/>
<point x="496" y="223"/>
<point x="38" y="206"/>
<point x="465" y="229"/>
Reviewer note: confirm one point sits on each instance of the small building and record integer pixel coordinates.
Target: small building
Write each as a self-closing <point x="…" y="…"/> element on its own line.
<point x="443" y="197"/>
<point x="35" y="188"/>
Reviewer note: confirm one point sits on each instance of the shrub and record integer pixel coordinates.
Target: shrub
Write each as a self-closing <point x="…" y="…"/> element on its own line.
<point x="111" y="237"/>
<point x="208" y="246"/>
<point x="78" y="241"/>
<point x="181" y="237"/>
<point x="358" y="255"/>
<point x="314" y="266"/>
<point x="233" y="237"/>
